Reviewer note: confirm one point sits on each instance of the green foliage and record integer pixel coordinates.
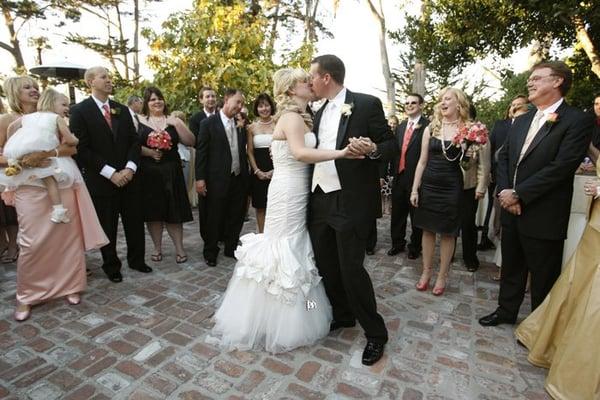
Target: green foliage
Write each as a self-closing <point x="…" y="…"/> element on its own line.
<point x="214" y="44"/>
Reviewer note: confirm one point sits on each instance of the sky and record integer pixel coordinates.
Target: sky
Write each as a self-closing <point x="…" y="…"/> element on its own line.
<point x="355" y="41"/>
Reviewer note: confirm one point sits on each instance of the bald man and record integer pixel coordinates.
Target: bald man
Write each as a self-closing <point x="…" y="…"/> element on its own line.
<point x="108" y="155"/>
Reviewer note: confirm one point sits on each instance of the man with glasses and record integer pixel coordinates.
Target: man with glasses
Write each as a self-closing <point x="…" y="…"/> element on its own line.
<point x="408" y="138"/>
<point x="535" y="173"/>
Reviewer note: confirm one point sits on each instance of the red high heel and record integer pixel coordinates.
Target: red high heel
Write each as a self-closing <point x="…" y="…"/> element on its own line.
<point x="438" y="291"/>
<point x="422" y="287"/>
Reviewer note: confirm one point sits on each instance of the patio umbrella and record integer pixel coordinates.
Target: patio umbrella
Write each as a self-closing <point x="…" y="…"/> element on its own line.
<point x="65" y="71"/>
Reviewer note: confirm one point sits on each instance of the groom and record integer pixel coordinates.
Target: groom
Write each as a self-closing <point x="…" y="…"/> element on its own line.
<point x="344" y="199"/>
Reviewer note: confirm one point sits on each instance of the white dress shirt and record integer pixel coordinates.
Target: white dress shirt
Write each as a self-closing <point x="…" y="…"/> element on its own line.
<point x="107" y="171"/>
<point x="325" y="174"/>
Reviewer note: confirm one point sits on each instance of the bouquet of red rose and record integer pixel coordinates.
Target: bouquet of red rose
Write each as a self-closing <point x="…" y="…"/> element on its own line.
<point x="470" y="138"/>
<point x="159" y="140"/>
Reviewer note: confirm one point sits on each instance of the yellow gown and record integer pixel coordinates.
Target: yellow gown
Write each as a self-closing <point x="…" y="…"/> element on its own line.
<point x="563" y="333"/>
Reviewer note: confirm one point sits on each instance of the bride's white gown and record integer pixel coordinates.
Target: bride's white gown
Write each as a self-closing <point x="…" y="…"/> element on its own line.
<point x="275" y="299"/>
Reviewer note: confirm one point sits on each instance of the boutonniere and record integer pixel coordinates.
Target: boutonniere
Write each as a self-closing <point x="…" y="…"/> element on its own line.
<point x="347" y="109"/>
<point x="552" y="118"/>
<point x="417" y="126"/>
<point x="115" y="111"/>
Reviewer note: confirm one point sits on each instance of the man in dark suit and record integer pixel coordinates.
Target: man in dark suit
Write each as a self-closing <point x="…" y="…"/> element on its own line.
<point x="497" y="139"/>
<point x="222" y="177"/>
<point x="108" y="155"/>
<point x="208" y="99"/>
<point x="345" y="198"/>
<point x="408" y="139"/>
<point x="535" y="184"/>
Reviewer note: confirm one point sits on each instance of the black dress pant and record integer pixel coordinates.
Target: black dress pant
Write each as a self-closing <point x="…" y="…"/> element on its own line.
<point x="223" y="216"/>
<point x="490" y="206"/>
<point x="468" y="228"/>
<point x="372" y="236"/>
<point x="339" y="253"/>
<point x="520" y="255"/>
<point x="401" y="209"/>
<point x="126" y="202"/>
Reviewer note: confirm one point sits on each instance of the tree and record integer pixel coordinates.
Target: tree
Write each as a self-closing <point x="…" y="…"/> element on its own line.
<point x="216" y="44"/>
<point x="460" y="32"/>
<point x="16" y="14"/>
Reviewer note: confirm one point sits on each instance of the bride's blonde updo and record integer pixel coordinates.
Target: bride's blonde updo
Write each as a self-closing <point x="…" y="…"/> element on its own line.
<point x="463" y="110"/>
<point x="283" y="81"/>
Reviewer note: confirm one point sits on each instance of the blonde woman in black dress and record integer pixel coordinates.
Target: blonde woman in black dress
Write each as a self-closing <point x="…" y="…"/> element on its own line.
<point x="438" y="185"/>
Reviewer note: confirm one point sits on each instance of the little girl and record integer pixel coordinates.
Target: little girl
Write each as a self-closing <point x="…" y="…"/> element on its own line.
<point x="43" y="130"/>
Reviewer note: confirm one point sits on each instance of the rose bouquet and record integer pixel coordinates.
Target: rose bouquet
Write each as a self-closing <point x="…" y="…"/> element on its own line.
<point x="470" y="138"/>
<point x="159" y="141"/>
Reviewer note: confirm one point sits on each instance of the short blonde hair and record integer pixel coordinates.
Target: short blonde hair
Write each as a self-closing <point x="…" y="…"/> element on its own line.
<point x="463" y="109"/>
<point x="91" y="73"/>
<point x="283" y="81"/>
<point x="12" y="87"/>
<point x="48" y="100"/>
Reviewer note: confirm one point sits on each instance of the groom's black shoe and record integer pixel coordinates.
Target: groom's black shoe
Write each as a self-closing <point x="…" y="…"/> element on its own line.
<point x="495" y="319"/>
<point x="335" y="325"/>
<point x="373" y="353"/>
<point x="211" y="262"/>
<point x="142" y="268"/>
<point x="395" y="250"/>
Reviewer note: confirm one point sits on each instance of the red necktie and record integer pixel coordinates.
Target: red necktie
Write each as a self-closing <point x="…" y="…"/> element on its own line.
<point x="106" y="114"/>
<point x="405" y="141"/>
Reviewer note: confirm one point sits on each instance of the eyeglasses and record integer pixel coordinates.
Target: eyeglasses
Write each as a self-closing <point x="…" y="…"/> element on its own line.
<point x="409" y="103"/>
<point x="538" y="78"/>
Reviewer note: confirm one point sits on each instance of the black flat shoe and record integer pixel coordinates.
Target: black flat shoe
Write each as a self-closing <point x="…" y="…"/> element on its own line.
<point x="335" y="325"/>
<point x="472" y="267"/>
<point x="373" y="353"/>
<point x="494" y="319"/>
<point x="211" y="263"/>
<point x="142" y="268"/>
<point x="395" y="250"/>
<point x="115" y="277"/>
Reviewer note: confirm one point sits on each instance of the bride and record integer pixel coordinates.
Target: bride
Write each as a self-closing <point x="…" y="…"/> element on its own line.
<point x="275" y="299"/>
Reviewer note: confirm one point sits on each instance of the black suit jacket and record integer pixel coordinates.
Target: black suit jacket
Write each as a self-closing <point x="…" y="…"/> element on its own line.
<point x="413" y="151"/>
<point x="213" y="155"/>
<point x="99" y="145"/>
<point x="361" y="192"/>
<point x="497" y="139"/>
<point x="543" y="179"/>
<point x="195" y="121"/>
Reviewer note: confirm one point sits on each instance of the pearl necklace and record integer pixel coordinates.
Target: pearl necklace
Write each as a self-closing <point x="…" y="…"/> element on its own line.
<point x="445" y="149"/>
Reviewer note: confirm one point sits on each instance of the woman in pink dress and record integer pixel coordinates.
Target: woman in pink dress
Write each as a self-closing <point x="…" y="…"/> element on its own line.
<point x="51" y="263"/>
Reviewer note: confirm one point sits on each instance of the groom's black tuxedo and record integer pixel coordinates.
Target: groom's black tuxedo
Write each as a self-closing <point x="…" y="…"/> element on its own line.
<point x="339" y="221"/>
<point x="101" y="145"/>
<point x="543" y="181"/>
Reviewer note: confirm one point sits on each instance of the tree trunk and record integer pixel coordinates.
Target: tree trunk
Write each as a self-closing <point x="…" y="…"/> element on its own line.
<point x="273" y="34"/>
<point x="15" y="48"/>
<point x="385" y="64"/>
<point x="122" y="44"/>
<point x="136" y="40"/>
<point x="588" y="46"/>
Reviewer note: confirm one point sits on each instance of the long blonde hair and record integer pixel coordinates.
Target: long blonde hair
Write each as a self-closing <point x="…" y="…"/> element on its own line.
<point x="463" y="110"/>
<point x="48" y="99"/>
<point x="283" y="81"/>
<point x="12" y="86"/>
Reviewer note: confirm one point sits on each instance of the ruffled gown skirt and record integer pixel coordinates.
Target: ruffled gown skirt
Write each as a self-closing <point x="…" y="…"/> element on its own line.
<point x="562" y="334"/>
<point x="275" y="299"/>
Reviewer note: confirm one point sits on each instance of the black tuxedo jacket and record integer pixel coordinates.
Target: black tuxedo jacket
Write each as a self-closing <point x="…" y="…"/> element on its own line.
<point x="543" y="179"/>
<point x="99" y="145"/>
<point x="413" y="151"/>
<point x="213" y="155"/>
<point x="195" y="121"/>
<point x="497" y="139"/>
<point x="361" y="191"/>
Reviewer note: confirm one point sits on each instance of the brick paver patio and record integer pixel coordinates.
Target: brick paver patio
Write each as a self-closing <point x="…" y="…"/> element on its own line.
<point x="144" y="338"/>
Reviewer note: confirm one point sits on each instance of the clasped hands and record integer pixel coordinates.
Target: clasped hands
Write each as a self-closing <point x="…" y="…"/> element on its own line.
<point x="592" y="187"/>
<point x="264" y="176"/>
<point x="359" y="147"/>
<point x="509" y="202"/>
<point x="122" y="177"/>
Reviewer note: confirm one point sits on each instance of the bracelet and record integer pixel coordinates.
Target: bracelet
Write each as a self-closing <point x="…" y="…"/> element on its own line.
<point x="56" y="151"/>
<point x="414" y="192"/>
